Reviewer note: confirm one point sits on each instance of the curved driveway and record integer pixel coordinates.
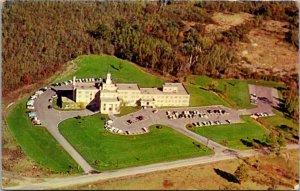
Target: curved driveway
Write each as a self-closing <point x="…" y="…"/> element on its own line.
<point x="179" y="125"/>
<point x="50" y="118"/>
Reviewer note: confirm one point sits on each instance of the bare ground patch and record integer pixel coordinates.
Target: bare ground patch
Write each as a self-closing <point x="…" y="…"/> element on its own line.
<point x="226" y="20"/>
<point x="268" y="50"/>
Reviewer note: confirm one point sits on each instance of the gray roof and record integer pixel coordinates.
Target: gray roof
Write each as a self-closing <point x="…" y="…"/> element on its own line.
<point x="127" y="86"/>
<point x="109" y="99"/>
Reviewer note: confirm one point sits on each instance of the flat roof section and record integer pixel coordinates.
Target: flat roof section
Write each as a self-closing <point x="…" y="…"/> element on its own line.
<point x="109" y="99"/>
<point x="150" y="91"/>
<point x="127" y="87"/>
<point x="68" y="87"/>
<point x="180" y="90"/>
<point x="86" y="86"/>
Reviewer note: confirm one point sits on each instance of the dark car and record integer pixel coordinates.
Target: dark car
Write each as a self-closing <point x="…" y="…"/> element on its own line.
<point x="140" y="117"/>
<point x="129" y="121"/>
<point x="49" y="107"/>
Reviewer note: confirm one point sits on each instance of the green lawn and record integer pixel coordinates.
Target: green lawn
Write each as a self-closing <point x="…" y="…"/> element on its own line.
<point x="233" y="133"/>
<point x="121" y="70"/>
<point x="202" y="97"/>
<point x="281" y="123"/>
<point x="105" y="151"/>
<point x="267" y="83"/>
<point x="38" y="143"/>
<point x="234" y="92"/>
<point x="126" y="110"/>
<point x="278" y="120"/>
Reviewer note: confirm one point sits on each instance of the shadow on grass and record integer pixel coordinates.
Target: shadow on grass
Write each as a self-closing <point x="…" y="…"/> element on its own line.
<point x="202" y="88"/>
<point x="282" y="108"/>
<point x="261" y="143"/>
<point x="226" y="175"/>
<point x="114" y="67"/>
<point x="247" y="143"/>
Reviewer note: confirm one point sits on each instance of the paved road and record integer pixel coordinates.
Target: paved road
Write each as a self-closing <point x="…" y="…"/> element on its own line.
<point x="177" y="124"/>
<point x="50" y="118"/>
<point x="54" y="183"/>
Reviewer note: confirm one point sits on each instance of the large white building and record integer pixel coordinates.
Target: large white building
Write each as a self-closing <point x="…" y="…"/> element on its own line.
<point x="110" y="96"/>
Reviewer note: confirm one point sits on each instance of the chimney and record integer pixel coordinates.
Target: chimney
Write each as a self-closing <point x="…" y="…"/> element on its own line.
<point x="74" y="81"/>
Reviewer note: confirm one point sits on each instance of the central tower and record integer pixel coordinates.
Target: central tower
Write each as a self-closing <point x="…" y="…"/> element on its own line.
<point x="108" y="78"/>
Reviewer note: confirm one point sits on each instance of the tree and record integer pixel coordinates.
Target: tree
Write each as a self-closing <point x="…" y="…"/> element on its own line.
<point x="212" y="86"/>
<point x="271" y="140"/>
<point x="26" y="79"/>
<point x="281" y="140"/>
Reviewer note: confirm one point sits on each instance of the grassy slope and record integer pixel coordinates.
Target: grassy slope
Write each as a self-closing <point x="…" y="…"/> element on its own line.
<point x="237" y="93"/>
<point x="99" y="65"/>
<point x="118" y="151"/>
<point x="233" y="133"/>
<point x="279" y="120"/>
<point x="281" y="123"/>
<point x="201" y="97"/>
<point x="37" y="143"/>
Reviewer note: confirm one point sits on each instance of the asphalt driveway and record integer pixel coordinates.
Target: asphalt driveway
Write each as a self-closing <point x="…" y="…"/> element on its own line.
<point x="50" y="118"/>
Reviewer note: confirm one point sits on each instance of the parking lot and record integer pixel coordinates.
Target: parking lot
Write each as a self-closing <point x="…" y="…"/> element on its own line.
<point x="180" y="117"/>
<point x="267" y="99"/>
<point x="140" y="121"/>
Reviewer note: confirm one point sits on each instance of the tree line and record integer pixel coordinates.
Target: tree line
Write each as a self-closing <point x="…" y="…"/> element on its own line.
<point x="40" y="37"/>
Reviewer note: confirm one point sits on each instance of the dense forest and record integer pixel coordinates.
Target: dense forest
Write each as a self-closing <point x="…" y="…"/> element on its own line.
<point x="40" y="37"/>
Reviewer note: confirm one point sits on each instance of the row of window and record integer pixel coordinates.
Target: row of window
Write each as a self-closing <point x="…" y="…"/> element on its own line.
<point x="119" y="92"/>
<point x="155" y="97"/>
<point x="110" y="107"/>
<point x="90" y="97"/>
<point x="172" y="101"/>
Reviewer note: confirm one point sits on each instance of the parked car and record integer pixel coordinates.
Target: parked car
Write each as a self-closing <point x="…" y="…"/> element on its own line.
<point x="49" y="107"/>
<point x="140" y="117"/>
<point x="37" y="123"/>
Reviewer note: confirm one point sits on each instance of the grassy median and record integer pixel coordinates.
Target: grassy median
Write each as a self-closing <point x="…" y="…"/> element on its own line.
<point x="234" y="135"/>
<point x="106" y="151"/>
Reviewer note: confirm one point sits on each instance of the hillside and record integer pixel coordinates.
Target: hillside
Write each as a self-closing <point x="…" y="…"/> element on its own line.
<point x="176" y="38"/>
